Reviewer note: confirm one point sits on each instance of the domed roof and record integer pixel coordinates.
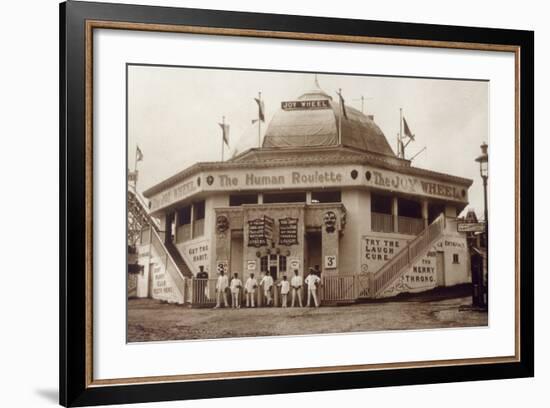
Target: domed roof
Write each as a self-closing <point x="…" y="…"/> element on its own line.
<point x="312" y="127"/>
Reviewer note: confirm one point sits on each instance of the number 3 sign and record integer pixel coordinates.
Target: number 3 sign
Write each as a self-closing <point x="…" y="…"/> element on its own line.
<point x="330" y="261"/>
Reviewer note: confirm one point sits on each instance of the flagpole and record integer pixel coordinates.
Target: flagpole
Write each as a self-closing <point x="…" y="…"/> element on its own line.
<point x="402" y="153"/>
<point x="340" y="116"/>
<point x="223" y="133"/>
<point x="259" y="120"/>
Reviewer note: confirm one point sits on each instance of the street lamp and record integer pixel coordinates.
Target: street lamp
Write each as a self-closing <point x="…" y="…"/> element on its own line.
<point x="483" y="161"/>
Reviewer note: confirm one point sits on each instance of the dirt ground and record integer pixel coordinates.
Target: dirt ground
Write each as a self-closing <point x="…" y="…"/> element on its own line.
<point x="152" y="320"/>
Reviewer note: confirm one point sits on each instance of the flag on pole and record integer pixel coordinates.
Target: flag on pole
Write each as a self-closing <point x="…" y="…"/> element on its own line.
<point x="342" y="105"/>
<point x="225" y="132"/>
<point x="407" y="130"/>
<point x="139" y="154"/>
<point x="261" y="109"/>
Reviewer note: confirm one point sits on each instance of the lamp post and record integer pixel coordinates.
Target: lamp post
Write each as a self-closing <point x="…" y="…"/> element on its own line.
<point x="483" y="161"/>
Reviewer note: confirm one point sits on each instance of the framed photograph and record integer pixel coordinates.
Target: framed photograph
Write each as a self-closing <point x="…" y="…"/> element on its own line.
<point x="256" y="204"/>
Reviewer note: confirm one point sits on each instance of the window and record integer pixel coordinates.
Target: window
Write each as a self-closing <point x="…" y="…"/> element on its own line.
<point x="298" y="197"/>
<point x="282" y="263"/>
<point x="263" y="263"/>
<point x="198" y="214"/>
<point x="199" y="210"/>
<point x="381" y="204"/>
<point x="455" y="258"/>
<point x="326" y="197"/>
<point x="184" y="215"/>
<point x="409" y="208"/>
<point x="236" y="200"/>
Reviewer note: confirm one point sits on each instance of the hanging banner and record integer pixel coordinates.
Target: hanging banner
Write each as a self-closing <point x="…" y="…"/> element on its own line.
<point x="288" y="231"/>
<point x="260" y="231"/>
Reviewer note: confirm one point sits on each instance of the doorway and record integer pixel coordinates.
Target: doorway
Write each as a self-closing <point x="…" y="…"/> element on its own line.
<point x="313" y="251"/>
<point x="236" y="255"/>
<point x="440" y="267"/>
<point x="275" y="264"/>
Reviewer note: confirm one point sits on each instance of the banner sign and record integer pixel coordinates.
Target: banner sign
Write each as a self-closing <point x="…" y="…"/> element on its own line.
<point x="305" y="105"/>
<point x="260" y="231"/>
<point x="330" y="176"/>
<point x="471" y="227"/>
<point x="288" y="231"/>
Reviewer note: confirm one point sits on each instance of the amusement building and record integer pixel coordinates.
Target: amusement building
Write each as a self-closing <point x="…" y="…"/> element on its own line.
<point x="323" y="191"/>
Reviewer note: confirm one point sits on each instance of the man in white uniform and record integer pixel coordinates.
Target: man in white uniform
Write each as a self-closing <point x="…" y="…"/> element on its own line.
<point x="267" y="281"/>
<point x="250" y="290"/>
<point x="285" y="288"/>
<point x="221" y="286"/>
<point x="235" y="287"/>
<point x="296" y="283"/>
<point x="312" y="281"/>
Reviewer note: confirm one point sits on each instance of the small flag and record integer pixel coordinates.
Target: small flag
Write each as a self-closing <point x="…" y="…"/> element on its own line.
<point x="139" y="155"/>
<point x="225" y="132"/>
<point x="342" y="105"/>
<point x="406" y="129"/>
<point x="261" y="109"/>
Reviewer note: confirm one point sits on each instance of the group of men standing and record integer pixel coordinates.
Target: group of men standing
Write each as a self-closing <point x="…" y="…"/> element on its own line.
<point x="293" y="287"/>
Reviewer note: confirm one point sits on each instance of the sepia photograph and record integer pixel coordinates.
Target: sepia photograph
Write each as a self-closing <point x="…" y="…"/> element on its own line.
<point x="275" y="203"/>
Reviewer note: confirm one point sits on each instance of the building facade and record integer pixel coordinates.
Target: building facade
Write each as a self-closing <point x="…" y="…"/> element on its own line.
<point x="324" y="191"/>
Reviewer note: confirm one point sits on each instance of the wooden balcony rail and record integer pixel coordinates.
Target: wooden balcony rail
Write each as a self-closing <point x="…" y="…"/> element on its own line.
<point x="198" y="228"/>
<point x="183" y="233"/>
<point x="381" y="222"/>
<point x="410" y="226"/>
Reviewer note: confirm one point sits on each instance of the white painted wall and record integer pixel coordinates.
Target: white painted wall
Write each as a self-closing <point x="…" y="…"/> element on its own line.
<point x="357" y="203"/>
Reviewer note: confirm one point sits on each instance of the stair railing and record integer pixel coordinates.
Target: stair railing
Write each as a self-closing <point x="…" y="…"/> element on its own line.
<point x="381" y="279"/>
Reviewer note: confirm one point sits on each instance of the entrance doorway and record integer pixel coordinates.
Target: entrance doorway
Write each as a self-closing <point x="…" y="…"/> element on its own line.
<point x="237" y="255"/>
<point x="313" y="251"/>
<point x="276" y="265"/>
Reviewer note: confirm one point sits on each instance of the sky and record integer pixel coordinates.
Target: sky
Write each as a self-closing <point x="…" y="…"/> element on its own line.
<point x="173" y="116"/>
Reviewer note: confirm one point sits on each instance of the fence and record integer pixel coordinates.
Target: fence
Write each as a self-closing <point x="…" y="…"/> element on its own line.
<point x="339" y="288"/>
<point x="333" y="289"/>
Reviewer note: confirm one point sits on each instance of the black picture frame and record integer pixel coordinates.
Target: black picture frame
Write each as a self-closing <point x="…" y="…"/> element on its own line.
<point x="76" y="387"/>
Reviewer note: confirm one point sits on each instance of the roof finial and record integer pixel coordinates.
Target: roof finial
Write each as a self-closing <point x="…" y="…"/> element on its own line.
<point x="317" y="82"/>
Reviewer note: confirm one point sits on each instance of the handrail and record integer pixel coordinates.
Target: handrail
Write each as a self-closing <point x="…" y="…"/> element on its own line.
<point x="391" y="270"/>
<point x="144" y="208"/>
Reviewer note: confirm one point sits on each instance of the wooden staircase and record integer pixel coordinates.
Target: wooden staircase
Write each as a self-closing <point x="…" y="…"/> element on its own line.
<point x="379" y="281"/>
<point x="142" y="227"/>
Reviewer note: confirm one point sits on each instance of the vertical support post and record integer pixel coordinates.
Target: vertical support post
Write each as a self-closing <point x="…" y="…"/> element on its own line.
<point x="425" y="213"/>
<point x="329" y="247"/>
<point x="308" y="197"/>
<point x="176" y="221"/>
<point x="260" y="198"/>
<point x="167" y="228"/>
<point x="395" y="214"/>
<point x="192" y="225"/>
